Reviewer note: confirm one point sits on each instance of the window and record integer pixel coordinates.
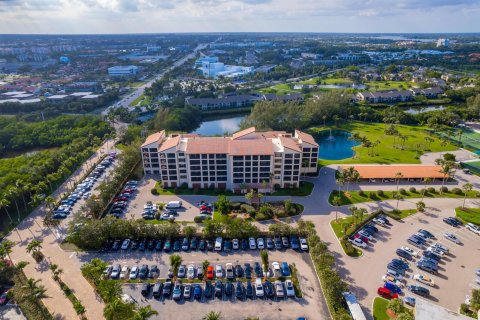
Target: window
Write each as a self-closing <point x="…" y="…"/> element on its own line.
<point x="181" y="154"/>
<point x="154" y="155"/>
<point x="268" y="157"/>
<point x="171" y="155"/>
<point x="211" y="161"/>
<point x="194" y="156"/>
<point x="144" y="149"/>
<point x="204" y="161"/>
<point x="222" y="178"/>
<point x="204" y="168"/>
<point x="297" y="155"/>
<point x="205" y="179"/>
<point x="196" y="173"/>
<point x="265" y="163"/>
<point x="238" y="164"/>
<point x="173" y="177"/>
<point x="237" y="180"/>
<point x="255" y="163"/>
<point x="170" y="172"/>
<point x="183" y="171"/>
<point x="287" y="173"/>
<point x="288" y="156"/>
<point x="248" y="157"/>
<point x="171" y="161"/>
<point x="221" y="156"/>
<point x="172" y="166"/>
<point x="196" y="179"/>
<point x="221" y="173"/>
<point x="288" y="161"/>
<point x="264" y="169"/>
<point x="154" y="160"/>
<point x="193" y="162"/>
<point x="288" y="168"/>
<point x="221" y="167"/>
<point x="237" y="158"/>
<point x="287" y="178"/>
<point x="183" y="177"/>
<point x="204" y="156"/>
<point x="248" y="169"/>
<point x="212" y="178"/>
<point x="221" y="161"/>
<point x="315" y="150"/>
<point x="164" y="172"/>
<point x="153" y="149"/>
<point x="306" y="149"/>
<point x="248" y="181"/>
<point x="238" y="175"/>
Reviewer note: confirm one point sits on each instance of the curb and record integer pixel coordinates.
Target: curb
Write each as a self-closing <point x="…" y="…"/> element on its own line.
<point x="338" y="240"/>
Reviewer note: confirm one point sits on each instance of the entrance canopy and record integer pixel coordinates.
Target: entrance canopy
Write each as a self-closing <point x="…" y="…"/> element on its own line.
<point x="390" y="171"/>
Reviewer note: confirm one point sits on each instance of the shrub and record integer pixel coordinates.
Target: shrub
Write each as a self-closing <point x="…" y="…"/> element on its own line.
<point x="431" y="190"/>
<point x="198" y="219"/>
<point x="372" y="195"/>
<point x="380" y="193"/>
<point x="276" y="186"/>
<point x="412" y="190"/>
<point x="457" y="191"/>
<point x="154" y="191"/>
<point x="184" y="185"/>
<point x="235" y="205"/>
<point x="402" y="191"/>
<point x="349" y="248"/>
<point x="247" y="208"/>
<point x="361" y="193"/>
<point x="280" y="213"/>
<point x="261" y="216"/>
<point x="444" y="189"/>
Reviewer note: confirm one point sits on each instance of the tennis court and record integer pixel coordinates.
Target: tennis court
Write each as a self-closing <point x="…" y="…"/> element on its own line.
<point x="470" y="139"/>
<point x="473" y="166"/>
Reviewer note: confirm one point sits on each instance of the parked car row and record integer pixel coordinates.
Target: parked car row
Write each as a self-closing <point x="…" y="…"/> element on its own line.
<point x="208" y="290"/>
<point x="121" y="201"/>
<point x="220" y="244"/>
<point x="364" y="235"/>
<point x="83" y="189"/>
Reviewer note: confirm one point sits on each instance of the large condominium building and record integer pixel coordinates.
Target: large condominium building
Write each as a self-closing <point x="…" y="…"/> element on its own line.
<point x="247" y="159"/>
<point x="122" y="71"/>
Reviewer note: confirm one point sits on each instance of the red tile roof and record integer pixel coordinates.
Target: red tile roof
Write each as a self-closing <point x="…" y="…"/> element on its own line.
<point x="242" y="133"/>
<point x="169" y="143"/>
<point x="210" y="145"/>
<point x="306" y="137"/>
<point x="290" y="144"/>
<point x="154" y="138"/>
<point x="251" y="147"/>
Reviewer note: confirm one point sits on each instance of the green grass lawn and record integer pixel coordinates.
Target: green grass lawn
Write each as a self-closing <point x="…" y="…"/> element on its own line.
<point x="380" y="309"/>
<point x="388" y="85"/>
<point x="142" y="100"/>
<point x="305" y="189"/>
<point x="386" y="152"/>
<point x="338" y="229"/>
<point x="469" y="215"/>
<point x="355" y="197"/>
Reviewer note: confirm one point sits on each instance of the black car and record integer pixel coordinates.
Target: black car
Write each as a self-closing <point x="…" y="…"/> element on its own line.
<point x="249" y="291"/>
<point x="134" y="245"/>
<point x="268" y="286"/>
<point x="218" y="289"/>
<point x="159" y="245"/>
<point x="193" y="244"/>
<point x="258" y="270"/>
<point x="397" y="268"/>
<point x="431" y="255"/>
<point x="397" y="264"/>
<point x="456" y="221"/>
<point x="154" y="272"/>
<point x="238" y="271"/>
<point x="227" y="246"/>
<point x="421" y="291"/>
<point x="404" y="254"/>
<point x="176" y="245"/>
<point x="157" y="289"/>
<point x="151" y="245"/>
<point x="277" y="242"/>
<point x="108" y="245"/>
<point x="426" y="233"/>
<point x="228" y="289"/>
<point x="270" y="244"/>
<point x="167" y="288"/>
<point x="239" y="289"/>
<point x="202" y="245"/>
<point x="208" y="289"/>
<point x="244" y="244"/>
<point x="401" y="262"/>
<point x="145" y="289"/>
<point x="142" y="245"/>
<point x="143" y="272"/>
<point x="116" y="245"/>
<point x="451" y="221"/>
<point x="371" y="226"/>
<point x="209" y="245"/>
<point x="185" y="244"/>
<point x="248" y="271"/>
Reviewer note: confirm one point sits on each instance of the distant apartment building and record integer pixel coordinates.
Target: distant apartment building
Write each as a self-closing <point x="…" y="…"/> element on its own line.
<point x="122" y="71"/>
<point x="249" y="159"/>
<point x="387" y="96"/>
<point x="443" y="42"/>
<point x="83" y="86"/>
<point x="210" y="67"/>
<point x="314" y="56"/>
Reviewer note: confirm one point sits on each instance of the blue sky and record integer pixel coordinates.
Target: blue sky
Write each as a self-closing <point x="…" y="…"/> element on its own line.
<point x="132" y="16"/>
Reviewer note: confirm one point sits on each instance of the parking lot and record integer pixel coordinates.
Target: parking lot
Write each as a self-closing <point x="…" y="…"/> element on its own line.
<point x="309" y="306"/>
<point x="456" y="274"/>
<point x="143" y="195"/>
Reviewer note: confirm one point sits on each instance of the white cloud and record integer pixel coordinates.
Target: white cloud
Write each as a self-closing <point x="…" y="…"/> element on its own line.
<point x="110" y="16"/>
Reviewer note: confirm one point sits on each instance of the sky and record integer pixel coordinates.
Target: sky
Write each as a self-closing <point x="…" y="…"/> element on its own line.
<point x="165" y="16"/>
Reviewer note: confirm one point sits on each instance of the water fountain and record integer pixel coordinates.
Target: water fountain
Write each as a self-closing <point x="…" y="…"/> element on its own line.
<point x="330" y="137"/>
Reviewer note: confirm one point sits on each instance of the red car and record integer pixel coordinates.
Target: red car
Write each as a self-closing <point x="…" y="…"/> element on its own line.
<point x="364" y="239"/>
<point x="128" y="190"/>
<point x="386" y="293"/>
<point x="210" y="273"/>
<point x="4" y="298"/>
<point x="120" y="199"/>
<point x="205" y="208"/>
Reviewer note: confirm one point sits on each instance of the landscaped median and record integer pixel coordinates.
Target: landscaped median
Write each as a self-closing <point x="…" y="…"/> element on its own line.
<point x="380" y="309"/>
<point x="471" y="215"/>
<point x="359" y="196"/>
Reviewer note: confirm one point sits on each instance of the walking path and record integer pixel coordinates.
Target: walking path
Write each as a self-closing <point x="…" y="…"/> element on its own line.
<point x="32" y="228"/>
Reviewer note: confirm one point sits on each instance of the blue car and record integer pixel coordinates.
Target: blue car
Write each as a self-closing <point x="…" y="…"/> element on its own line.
<point x="404" y="254"/>
<point x="410" y="301"/>
<point x="392" y="287"/>
<point x="197" y="292"/>
<point x="285" y="269"/>
<point x="294" y="243"/>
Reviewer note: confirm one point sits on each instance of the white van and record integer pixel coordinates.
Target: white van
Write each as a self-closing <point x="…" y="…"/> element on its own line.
<point x="174" y="205"/>
<point x="218" y="244"/>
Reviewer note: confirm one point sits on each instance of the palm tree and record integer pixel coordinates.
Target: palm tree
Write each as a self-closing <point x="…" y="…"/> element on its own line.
<point x="426" y="180"/>
<point x="324" y="119"/>
<point x="446" y="169"/>
<point x="353" y="210"/>
<point x="397" y="196"/>
<point x="336" y="201"/>
<point x="398" y="176"/>
<point x="212" y="315"/>
<point x="114" y="310"/>
<point x="4" y="203"/>
<point x="175" y="262"/>
<point x="34" y="291"/>
<point x="56" y="271"/>
<point x="341" y="179"/>
<point x="34" y="246"/>
<point x="144" y="313"/>
<point x="205" y="265"/>
<point x="264" y="257"/>
<point x="6" y="248"/>
<point x="19" y="184"/>
<point x="12" y="193"/>
<point x="50" y="202"/>
<point x="352" y="176"/>
<point x="420" y="206"/>
<point x="467" y="187"/>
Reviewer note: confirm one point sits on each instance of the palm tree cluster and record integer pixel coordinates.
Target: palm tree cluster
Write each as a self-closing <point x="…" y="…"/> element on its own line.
<point x="34" y="249"/>
<point x="349" y="175"/>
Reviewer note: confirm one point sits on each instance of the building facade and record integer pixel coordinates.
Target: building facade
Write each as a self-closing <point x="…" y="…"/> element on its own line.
<point x="122" y="71"/>
<point x="249" y="159"/>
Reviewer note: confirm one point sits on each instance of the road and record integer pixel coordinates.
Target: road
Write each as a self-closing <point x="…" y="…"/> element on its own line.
<point x="125" y="102"/>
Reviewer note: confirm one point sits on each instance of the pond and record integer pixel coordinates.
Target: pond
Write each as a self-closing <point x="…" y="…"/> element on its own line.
<point x="418" y="110"/>
<point x="335" y="145"/>
<point x="342" y="86"/>
<point x="218" y="127"/>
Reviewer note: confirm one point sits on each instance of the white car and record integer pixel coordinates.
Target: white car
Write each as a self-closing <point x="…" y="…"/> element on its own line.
<point x="394" y="274"/>
<point x="410" y="250"/>
<point x="235" y="244"/>
<point x="252" y="243"/>
<point x="303" y="244"/>
<point x="289" y="288"/>
<point x="125" y="244"/>
<point x="451" y="237"/>
<point x="475" y="229"/>
<point x="276" y="269"/>
<point x="424" y="279"/>
<point x="387" y="278"/>
<point x="115" y="271"/>
<point x="357" y="242"/>
<point x="260" y="243"/>
<point x="191" y="271"/>
<point x="133" y="273"/>
<point x="441" y="247"/>
<point x="279" y="290"/>
<point x="436" y="250"/>
<point x="378" y="221"/>
<point x="259" y="288"/>
<point x="365" y="234"/>
<point x="229" y="271"/>
<point x="124" y="273"/>
<point x="218" y="271"/>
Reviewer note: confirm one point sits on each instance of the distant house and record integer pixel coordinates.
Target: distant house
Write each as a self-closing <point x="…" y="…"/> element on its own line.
<point x="297" y="97"/>
<point x="385" y="96"/>
<point x="83" y="86"/>
<point x="429" y="92"/>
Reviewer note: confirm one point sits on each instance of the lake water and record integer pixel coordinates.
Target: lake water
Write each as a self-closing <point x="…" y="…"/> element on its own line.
<point x="219" y="126"/>
<point x="424" y="109"/>
<point x="336" y="146"/>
